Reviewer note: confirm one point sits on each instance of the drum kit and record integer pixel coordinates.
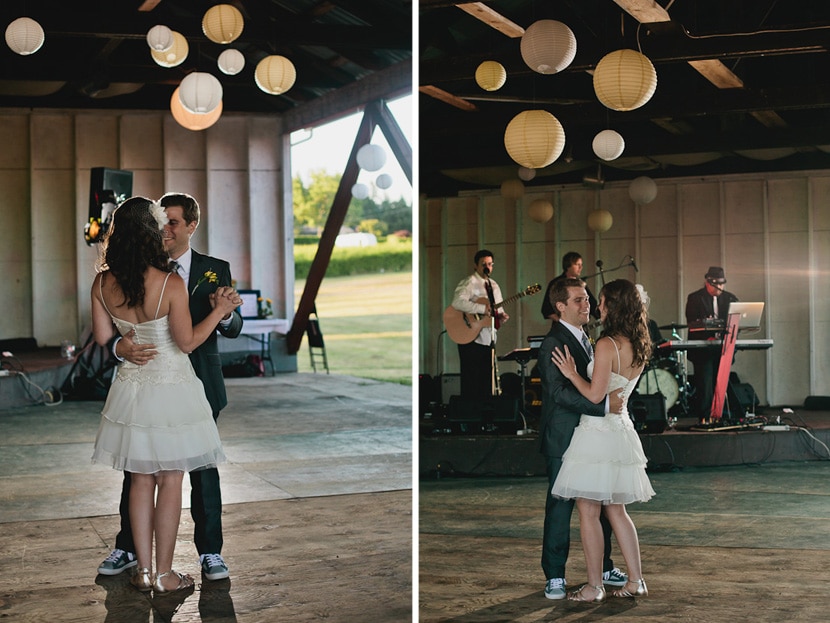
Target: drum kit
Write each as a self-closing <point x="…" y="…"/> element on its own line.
<point x="669" y="376"/>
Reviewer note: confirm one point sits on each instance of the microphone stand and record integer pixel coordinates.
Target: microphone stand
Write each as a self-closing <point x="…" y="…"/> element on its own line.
<point x="601" y="274"/>
<point x="495" y="390"/>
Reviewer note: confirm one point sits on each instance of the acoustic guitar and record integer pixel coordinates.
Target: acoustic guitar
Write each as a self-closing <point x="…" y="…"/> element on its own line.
<point x="463" y="328"/>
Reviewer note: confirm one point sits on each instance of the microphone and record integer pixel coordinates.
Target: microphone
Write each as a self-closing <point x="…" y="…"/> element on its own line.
<point x="634" y="266"/>
<point x="599" y="264"/>
<point x="486" y="271"/>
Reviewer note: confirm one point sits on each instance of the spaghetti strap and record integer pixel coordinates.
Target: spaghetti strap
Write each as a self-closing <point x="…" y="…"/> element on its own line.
<point x="101" y="293"/>
<point x="164" y="285"/>
<point x="617" y="348"/>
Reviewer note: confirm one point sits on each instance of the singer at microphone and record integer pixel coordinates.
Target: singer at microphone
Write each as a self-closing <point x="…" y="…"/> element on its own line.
<point x="633" y="265"/>
<point x="571" y="268"/>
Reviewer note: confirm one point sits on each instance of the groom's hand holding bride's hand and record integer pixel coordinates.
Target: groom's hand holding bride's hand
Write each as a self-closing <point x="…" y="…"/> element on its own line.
<point x="227" y="297"/>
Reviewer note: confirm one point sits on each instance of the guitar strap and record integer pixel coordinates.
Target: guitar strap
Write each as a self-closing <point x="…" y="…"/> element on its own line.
<point x="489" y="287"/>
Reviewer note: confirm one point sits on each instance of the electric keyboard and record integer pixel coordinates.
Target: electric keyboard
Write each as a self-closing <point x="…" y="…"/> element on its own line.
<point x="673" y="345"/>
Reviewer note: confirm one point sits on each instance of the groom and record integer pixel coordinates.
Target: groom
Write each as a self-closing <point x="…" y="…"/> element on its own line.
<point x="562" y="406"/>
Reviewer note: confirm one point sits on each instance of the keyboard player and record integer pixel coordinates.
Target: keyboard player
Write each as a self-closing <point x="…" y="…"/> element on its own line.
<point x="706" y="314"/>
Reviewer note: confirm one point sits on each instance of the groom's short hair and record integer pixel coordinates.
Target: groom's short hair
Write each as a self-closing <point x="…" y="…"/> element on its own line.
<point x="559" y="292"/>
<point x="189" y="206"/>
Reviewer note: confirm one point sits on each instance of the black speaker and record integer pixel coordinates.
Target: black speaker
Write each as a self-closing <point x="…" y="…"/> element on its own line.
<point x="745" y="395"/>
<point x="648" y="412"/>
<point x="496" y="414"/>
<point x="107" y="188"/>
<point x="817" y="403"/>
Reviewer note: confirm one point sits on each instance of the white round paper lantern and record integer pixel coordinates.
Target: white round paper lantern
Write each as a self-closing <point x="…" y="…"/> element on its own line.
<point x="600" y="220"/>
<point x="222" y="23"/>
<point x="540" y="210"/>
<point x="548" y="46"/>
<point x="360" y="191"/>
<point x="275" y="74"/>
<point x="534" y="138"/>
<point x="160" y="38"/>
<point x="231" y="62"/>
<point x="175" y="55"/>
<point x="371" y="157"/>
<point x="512" y="189"/>
<point x="383" y="181"/>
<point x="200" y="92"/>
<point x="491" y="75"/>
<point x="192" y="120"/>
<point x="526" y="174"/>
<point x="608" y="145"/>
<point x="624" y="80"/>
<point x="24" y="36"/>
<point x="642" y="190"/>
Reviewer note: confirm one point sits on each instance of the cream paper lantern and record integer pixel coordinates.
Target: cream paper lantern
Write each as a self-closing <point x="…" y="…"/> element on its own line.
<point x="175" y="55"/>
<point x="642" y="190"/>
<point x="275" y="74"/>
<point x="534" y="138"/>
<point x="608" y="145"/>
<point x="548" y="46"/>
<point x="624" y="80"/>
<point x="24" y="36"/>
<point x="383" y="181"/>
<point x="600" y="220"/>
<point x="512" y="189"/>
<point x="360" y="191"/>
<point x="371" y="157"/>
<point x="191" y="120"/>
<point x="222" y="23"/>
<point x="160" y="38"/>
<point x="231" y="62"/>
<point x="540" y="210"/>
<point x="200" y="92"/>
<point x="491" y="75"/>
<point x="526" y="174"/>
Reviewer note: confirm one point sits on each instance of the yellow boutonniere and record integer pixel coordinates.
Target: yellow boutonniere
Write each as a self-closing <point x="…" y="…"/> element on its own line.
<point x="209" y="276"/>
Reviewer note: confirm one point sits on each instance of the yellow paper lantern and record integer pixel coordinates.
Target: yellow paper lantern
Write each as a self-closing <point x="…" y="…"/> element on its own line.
<point x="534" y="138"/>
<point x="173" y="56"/>
<point x="491" y="75"/>
<point x="548" y="46"/>
<point x="608" y="145"/>
<point x="624" y="80"/>
<point x="191" y="120"/>
<point x="222" y="23"/>
<point x="540" y="210"/>
<point x="512" y="189"/>
<point x="24" y="36"/>
<point x="275" y="74"/>
<point x="600" y="220"/>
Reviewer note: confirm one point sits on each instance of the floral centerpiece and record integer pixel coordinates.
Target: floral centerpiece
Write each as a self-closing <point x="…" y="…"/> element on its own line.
<point x="266" y="309"/>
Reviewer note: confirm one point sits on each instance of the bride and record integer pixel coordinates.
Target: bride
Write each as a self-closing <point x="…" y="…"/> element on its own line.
<point x="604" y="466"/>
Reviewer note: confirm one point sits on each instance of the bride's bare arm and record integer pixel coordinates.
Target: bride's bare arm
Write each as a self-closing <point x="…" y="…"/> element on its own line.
<point x="596" y="389"/>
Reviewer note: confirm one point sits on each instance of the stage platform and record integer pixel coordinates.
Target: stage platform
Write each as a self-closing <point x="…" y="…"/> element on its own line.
<point x="32" y="376"/>
<point x="808" y="439"/>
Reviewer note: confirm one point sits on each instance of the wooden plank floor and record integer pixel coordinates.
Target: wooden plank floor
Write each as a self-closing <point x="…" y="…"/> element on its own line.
<point x="317" y="511"/>
<point x="719" y="545"/>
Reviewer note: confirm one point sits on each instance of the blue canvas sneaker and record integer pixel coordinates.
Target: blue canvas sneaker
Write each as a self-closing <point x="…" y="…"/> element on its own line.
<point x="213" y="567"/>
<point x="555" y="588"/>
<point x="615" y="577"/>
<point x="116" y="562"/>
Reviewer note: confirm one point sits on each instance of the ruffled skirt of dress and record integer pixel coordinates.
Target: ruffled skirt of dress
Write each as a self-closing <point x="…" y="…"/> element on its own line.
<point x="157" y="418"/>
<point x="604" y="462"/>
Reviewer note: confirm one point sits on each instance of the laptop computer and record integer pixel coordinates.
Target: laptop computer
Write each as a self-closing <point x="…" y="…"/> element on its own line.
<point x="750" y="314"/>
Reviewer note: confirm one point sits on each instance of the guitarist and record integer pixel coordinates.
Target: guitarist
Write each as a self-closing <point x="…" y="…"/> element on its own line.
<point x="571" y="269"/>
<point x="475" y="294"/>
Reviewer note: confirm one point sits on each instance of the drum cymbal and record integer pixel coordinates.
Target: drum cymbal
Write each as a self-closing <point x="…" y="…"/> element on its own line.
<point x="673" y="326"/>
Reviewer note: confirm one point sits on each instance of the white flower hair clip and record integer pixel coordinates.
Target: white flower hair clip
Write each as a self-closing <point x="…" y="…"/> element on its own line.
<point x="157" y="210"/>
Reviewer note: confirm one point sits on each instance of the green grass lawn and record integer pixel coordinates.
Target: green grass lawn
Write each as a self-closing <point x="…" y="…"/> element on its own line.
<point x="366" y="322"/>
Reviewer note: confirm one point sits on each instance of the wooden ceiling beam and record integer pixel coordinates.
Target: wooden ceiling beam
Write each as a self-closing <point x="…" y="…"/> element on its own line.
<point x="492" y="18"/>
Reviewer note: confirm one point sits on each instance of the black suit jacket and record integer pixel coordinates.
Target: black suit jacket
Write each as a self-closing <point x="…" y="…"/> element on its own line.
<point x="562" y="404"/>
<point x="205" y="359"/>
<point x="699" y="305"/>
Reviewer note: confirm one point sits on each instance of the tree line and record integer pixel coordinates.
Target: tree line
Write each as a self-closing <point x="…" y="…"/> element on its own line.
<point x="312" y="204"/>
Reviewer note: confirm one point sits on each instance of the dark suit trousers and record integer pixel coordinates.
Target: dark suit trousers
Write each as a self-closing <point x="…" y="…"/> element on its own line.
<point x="476" y="371"/>
<point x="205" y="509"/>
<point x="556" y="540"/>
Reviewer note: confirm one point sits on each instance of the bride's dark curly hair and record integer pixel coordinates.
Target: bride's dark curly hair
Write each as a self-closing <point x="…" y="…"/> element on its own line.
<point x="132" y="244"/>
<point x="626" y="316"/>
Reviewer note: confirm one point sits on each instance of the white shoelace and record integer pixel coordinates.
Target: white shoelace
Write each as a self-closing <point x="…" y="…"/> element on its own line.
<point x="213" y="560"/>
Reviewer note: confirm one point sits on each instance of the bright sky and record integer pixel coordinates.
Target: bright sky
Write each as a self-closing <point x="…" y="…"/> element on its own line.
<point x="329" y="145"/>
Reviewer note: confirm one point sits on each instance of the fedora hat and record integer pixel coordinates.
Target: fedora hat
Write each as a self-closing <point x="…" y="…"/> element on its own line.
<point x="715" y="275"/>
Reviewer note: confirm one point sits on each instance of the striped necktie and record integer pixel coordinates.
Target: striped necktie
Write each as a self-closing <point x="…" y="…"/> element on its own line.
<point x="586" y="344"/>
